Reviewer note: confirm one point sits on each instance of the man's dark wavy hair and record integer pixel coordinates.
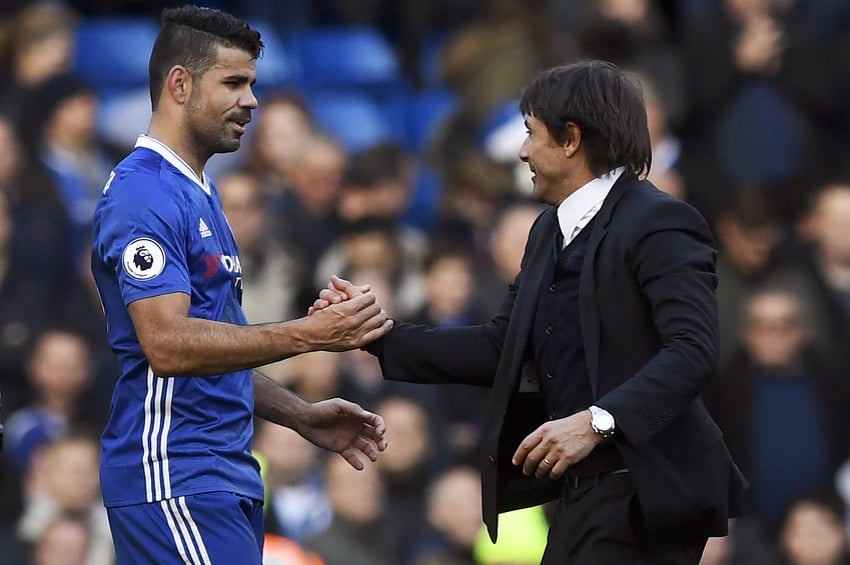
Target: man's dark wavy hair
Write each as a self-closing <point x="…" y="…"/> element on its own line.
<point x="606" y="104"/>
<point x="190" y="36"/>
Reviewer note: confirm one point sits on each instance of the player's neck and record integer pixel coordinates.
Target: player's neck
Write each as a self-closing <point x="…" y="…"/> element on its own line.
<point x="177" y="141"/>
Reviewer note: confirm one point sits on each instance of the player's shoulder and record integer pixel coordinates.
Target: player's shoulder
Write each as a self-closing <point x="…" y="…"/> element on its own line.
<point x="141" y="176"/>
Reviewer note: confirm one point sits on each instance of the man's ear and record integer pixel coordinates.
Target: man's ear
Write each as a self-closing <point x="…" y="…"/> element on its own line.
<point x="178" y="84"/>
<point x="572" y="142"/>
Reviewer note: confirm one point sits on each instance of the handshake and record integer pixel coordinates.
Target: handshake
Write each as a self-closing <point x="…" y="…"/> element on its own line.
<point x="346" y="316"/>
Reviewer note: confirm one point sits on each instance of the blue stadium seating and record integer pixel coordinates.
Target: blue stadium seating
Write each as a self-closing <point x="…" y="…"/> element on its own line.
<point x="345" y="57"/>
<point x="353" y="118"/>
<point x="113" y="53"/>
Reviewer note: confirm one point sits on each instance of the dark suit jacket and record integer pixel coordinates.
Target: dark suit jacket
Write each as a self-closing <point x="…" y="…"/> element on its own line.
<point x="649" y="323"/>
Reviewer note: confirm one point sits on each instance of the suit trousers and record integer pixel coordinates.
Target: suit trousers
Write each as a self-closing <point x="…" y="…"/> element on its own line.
<point x="599" y="523"/>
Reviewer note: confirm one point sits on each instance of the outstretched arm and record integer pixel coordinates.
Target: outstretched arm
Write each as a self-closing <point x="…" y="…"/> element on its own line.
<point x="334" y="424"/>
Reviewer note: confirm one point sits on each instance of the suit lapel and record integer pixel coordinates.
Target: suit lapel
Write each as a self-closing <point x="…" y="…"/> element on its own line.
<point x="588" y="306"/>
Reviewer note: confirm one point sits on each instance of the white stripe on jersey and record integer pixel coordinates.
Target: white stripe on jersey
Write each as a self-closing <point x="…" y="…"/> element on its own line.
<point x="157" y="420"/>
<point x="195" y="532"/>
<point x="175" y="534"/>
<point x="166" y="475"/>
<point x="155" y="452"/>
<point x="145" y="444"/>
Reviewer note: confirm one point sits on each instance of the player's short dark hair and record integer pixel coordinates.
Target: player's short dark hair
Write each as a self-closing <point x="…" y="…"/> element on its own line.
<point x="190" y="36"/>
<point x="605" y="102"/>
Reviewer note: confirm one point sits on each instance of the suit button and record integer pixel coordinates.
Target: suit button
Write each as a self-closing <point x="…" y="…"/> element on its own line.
<point x="492" y="459"/>
<point x="548" y="375"/>
<point x="552" y="416"/>
<point x="552" y="287"/>
<point x="548" y="330"/>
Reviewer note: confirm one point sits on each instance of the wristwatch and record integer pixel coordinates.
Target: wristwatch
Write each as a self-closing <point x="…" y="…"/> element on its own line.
<point x="602" y="421"/>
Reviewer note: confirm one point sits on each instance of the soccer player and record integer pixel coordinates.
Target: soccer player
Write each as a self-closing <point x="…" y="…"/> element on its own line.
<point x="177" y="475"/>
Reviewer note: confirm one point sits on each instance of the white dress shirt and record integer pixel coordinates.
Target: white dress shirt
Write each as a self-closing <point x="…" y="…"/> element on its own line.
<point x="581" y="206"/>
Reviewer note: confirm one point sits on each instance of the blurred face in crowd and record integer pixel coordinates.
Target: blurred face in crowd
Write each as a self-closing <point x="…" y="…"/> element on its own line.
<point x="775" y="334"/>
<point x="71" y="473"/>
<point x="60" y="367"/>
<point x="289" y="456"/>
<point x="10" y="153"/>
<point x="749" y="248"/>
<point x="240" y="198"/>
<point x="317" y="172"/>
<point x="74" y="122"/>
<point x="507" y="243"/>
<point x="448" y="284"/>
<point x="454" y="506"/>
<point x="282" y="128"/>
<point x="408" y="436"/>
<point x="830" y="225"/>
<point x="813" y="536"/>
<point x="356" y="495"/>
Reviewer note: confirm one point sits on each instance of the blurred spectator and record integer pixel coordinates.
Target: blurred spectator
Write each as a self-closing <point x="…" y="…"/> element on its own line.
<point x="826" y="232"/>
<point x="782" y="409"/>
<point x="375" y="194"/>
<point x="454" y="519"/>
<point x="64" y="479"/>
<point x="813" y="531"/>
<point x="59" y="368"/>
<point x="296" y="507"/>
<point x="634" y="35"/>
<point x="473" y="194"/>
<point x="487" y="62"/>
<point x="37" y="241"/>
<point x="283" y="125"/>
<point x="750" y="236"/>
<point x="357" y="498"/>
<point x="450" y="301"/>
<point x="746" y="544"/>
<point x="405" y="468"/>
<point x="62" y="117"/>
<point x="315" y="375"/>
<point x="371" y="246"/>
<point x="304" y="215"/>
<point x="761" y="92"/>
<point x="666" y="147"/>
<point x="65" y="541"/>
<point x="506" y="246"/>
<point x="270" y="273"/>
<point x="35" y="45"/>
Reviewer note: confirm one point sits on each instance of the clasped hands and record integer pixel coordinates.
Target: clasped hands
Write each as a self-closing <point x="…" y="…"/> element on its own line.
<point x="354" y="317"/>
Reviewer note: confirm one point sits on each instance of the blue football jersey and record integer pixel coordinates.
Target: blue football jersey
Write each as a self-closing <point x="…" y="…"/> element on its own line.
<point x="160" y="229"/>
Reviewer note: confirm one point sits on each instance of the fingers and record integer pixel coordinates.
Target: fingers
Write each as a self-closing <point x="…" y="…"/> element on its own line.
<point x="351" y="456"/>
<point x="346" y="288"/>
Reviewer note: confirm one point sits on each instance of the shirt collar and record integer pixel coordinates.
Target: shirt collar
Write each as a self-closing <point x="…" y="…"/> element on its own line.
<point x="169" y="155"/>
<point x="589" y="196"/>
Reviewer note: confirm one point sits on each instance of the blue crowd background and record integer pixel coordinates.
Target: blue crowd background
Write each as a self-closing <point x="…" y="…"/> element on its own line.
<point x="385" y="150"/>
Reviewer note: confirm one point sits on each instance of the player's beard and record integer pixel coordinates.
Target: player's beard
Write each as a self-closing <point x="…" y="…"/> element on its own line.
<point x="210" y="134"/>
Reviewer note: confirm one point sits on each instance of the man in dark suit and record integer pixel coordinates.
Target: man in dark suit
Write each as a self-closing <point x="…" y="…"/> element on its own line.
<point x="602" y="346"/>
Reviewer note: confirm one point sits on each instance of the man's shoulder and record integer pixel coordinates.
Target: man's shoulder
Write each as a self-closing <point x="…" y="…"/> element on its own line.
<point x="140" y="177"/>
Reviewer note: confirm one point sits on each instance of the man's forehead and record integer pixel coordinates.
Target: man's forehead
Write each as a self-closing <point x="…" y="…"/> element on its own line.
<point x="232" y="59"/>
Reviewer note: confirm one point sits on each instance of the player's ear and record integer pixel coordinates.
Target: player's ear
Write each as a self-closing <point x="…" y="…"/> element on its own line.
<point x="178" y="83"/>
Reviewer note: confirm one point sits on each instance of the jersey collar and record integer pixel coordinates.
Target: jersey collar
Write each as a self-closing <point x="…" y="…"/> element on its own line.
<point x="169" y="155"/>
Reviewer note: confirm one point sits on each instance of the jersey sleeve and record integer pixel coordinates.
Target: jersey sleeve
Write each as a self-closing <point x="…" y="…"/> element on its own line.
<point x="140" y="234"/>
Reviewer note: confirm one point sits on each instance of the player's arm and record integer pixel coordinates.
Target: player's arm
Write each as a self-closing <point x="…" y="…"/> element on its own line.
<point x="334" y="424"/>
<point x="178" y="345"/>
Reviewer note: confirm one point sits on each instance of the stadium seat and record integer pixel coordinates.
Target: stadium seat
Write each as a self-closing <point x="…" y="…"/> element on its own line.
<point x="352" y="118"/>
<point x="113" y="53"/>
<point x="277" y="66"/>
<point x="346" y="57"/>
<point x="425" y="113"/>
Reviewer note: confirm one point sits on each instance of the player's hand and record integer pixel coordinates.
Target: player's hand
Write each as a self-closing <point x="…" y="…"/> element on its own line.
<point x="349" y="324"/>
<point x="338" y="290"/>
<point x="343" y="427"/>
<point x="552" y="448"/>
